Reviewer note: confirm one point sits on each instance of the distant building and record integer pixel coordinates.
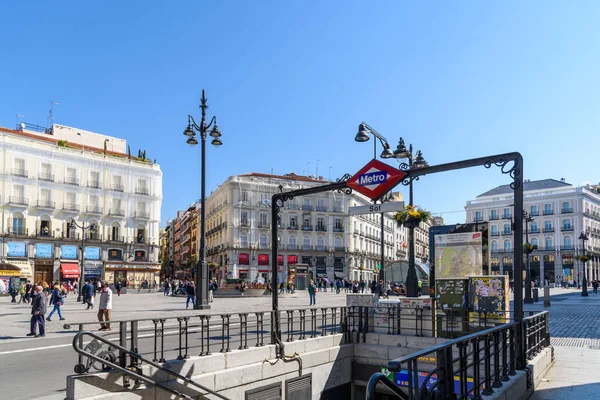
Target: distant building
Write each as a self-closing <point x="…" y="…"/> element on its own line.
<point x="54" y="176"/>
<point x="560" y="212"/>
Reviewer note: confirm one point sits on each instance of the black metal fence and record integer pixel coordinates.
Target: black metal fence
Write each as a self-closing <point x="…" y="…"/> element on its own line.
<point x="470" y="366"/>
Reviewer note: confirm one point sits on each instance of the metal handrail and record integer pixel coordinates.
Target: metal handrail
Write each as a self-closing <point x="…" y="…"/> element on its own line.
<point x="78" y="338"/>
<point x="379" y="377"/>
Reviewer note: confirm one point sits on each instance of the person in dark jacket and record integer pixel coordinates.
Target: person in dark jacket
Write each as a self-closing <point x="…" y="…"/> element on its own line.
<point x="190" y="290"/>
<point x="38" y="309"/>
<point x="88" y="293"/>
<point x="56" y="299"/>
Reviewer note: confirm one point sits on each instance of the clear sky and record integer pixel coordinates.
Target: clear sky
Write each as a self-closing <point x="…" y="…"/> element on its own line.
<point x="290" y="81"/>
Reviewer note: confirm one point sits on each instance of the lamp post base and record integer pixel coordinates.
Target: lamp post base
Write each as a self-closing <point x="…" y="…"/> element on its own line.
<point x="201" y="306"/>
<point x="584" y="291"/>
<point x="412" y="285"/>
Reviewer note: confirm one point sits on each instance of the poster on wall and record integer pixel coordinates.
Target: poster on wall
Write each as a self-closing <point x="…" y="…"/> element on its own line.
<point x="458" y="255"/>
<point x="43" y="250"/>
<point x="16" y="249"/>
<point x="451" y="294"/>
<point x="68" y="252"/>
<point x="92" y="253"/>
<point x="488" y="298"/>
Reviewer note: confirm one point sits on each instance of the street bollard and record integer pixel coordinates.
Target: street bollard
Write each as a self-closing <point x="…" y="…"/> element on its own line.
<point x="536" y="295"/>
<point x="546" y="296"/>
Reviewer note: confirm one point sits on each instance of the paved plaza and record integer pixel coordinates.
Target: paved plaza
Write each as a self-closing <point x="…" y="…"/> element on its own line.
<point x="574" y="327"/>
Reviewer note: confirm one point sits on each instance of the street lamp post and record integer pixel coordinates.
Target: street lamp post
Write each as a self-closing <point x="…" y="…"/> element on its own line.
<point x="528" y="300"/>
<point x="414" y="161"/>
<point x="584" y="237"/>
<point x="201" y="275"/>
<point x="363" y="136"/>
<point x="92" y="229"/>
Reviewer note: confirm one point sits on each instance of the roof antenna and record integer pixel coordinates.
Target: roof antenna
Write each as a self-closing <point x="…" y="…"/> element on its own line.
<point x="317" y="174"/>
<point x="50" y="120"/>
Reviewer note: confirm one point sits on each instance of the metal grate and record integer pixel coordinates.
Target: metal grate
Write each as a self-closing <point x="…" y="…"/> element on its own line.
<point x="269" y="392"/>
<point x="299" y="388"/>
<point x="574" y="342"/>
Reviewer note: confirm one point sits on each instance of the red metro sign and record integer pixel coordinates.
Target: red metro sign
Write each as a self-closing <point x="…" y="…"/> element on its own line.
<point x="375" y="178"/>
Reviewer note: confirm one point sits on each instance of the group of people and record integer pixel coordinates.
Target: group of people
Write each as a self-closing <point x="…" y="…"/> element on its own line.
<point x="40" y="299"/>
<point x="188" y="287"/>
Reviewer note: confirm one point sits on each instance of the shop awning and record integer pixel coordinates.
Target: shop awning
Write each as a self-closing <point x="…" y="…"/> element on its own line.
<point x="9" y="270"/>
<point x="69" y="270"/>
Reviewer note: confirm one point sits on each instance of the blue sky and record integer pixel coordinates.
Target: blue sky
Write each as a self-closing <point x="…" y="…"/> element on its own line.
<point x="290" y="81"/>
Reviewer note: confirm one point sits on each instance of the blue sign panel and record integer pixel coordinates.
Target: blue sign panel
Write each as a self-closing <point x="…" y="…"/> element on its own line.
<point x="16" y="249"/>
<point x="43" y="250"/>
<point x="68" y="252"/>
<point x="402" y="379"/>
<point x="92" y="253"/>
<point x="372" y="178"/>
<point x="92" y="270"/>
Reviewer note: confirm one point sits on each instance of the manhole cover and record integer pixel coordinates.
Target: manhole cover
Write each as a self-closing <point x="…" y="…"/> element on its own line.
<point x="594" y="347"/>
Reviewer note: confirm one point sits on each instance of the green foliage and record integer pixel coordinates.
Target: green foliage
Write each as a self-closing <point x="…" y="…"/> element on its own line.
<point x="62" y="143"/>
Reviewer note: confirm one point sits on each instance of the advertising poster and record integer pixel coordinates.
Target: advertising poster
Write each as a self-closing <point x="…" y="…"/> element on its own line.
<point x="68" y="252"/>
<point x="451" y="293"/>
<point x="488" y="299"/>
<point x="16" y="249"/>
<point x="458" y="255"/>
<point x="92" y="253"/>
<point x="43" y="250"/>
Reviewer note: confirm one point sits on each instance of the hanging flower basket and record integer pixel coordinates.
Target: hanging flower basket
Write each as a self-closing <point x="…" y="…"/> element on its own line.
<point x="583" y="259"/>
<point x="411" y="217"/>
<point x="528" y="248"/>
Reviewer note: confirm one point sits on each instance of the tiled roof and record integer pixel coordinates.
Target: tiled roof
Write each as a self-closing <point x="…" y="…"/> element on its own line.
<point x="527" y="186"/>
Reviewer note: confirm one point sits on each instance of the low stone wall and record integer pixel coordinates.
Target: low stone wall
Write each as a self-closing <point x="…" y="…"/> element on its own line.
<point x="236" y="293"/>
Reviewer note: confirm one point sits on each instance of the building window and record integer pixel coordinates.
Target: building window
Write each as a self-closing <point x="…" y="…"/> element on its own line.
<point x="46" y="172"/>
<point x="307" y="206"/>
<point x="533" y="211"/>
<point x="338" y="225"/>
<point x="307" y="225"/>
<point x="320" y="224"/>
<point x="140" y="255"/>
<point x="567" y="243"/>
<point x="141" y="235"/>
<point x="534" y="227"/>
<point x="507" y="229"/>
<point x="494" y="230"/>
<point x="20" y="169"/>
<point x="506" y="213"/>
<point x="243" y="241"/>
<point x="264" y="220"/>
<point x="71" y="176"/>
<point x="71" y="199"/>
<point x="566" y="207"/>
<point x="338" y="242"/>
<point x="263" y="241"/>
<point x="548" y="244"/>
<point x="478" y="216"/>
<point x="244" y="218"/>
<point x="293" y="221"/>
<point x="566" y="224"/>
<point x="306" y="243"/>
<point x="548" y="226"/>
<point x="292" y="242"/>
<point x="320" y="243"/>
<point x="18" y="225"/>
<point x="494" y="246"/>
<point x="547" y="209"/>
<point x="115" y="254"/>
<point x="494" y="214"/>
<point x="321" y="205"/>
<point x="507" y="245"/>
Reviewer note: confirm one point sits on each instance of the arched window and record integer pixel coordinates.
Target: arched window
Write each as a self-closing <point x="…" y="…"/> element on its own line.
<point x="306" y="243"/>
<point x="321" y="243"/>
<point x="567" y="242"/>
<point x="494" y="246"/>
<point x="534" y="242"/>
<point x="548" y="243"/>
<point x="338" y="242"/>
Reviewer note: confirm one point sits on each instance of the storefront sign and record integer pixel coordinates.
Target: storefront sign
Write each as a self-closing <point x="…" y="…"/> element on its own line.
<point x="263" y="259"/>
<point x="244" y="259"/>
<point x="25" y="267"/>
<point x="92" y="253"/>
<point x="16" y="249"/>
<point x="43" y="250"/>
<point x="292" y="260"/>
<point x="279" y="259"/>
<point x="92" y="269"/>
<point x="68" y="252"/>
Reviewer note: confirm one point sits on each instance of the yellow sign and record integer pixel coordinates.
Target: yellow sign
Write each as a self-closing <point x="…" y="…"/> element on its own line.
<point x="9" y="272"/>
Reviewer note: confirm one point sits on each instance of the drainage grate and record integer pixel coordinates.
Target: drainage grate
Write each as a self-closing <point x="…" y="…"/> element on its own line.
<point x="574" y="342"/>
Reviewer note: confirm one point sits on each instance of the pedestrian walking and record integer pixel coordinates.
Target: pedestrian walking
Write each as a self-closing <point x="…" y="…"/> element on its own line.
<point x="88" y="295"/>
<point x="419" y="286"/>
<point x="56" y="299"/>
<point x="166" y="287"/>
<point x="13" y="291"/>
<point x="105" y="307"/>
<point x="312" y="293"/>
<point x="22" y="292"/>
<point x="190" y="291"/>
<point x="38" y="309"/>
<point x="118" y="288"/>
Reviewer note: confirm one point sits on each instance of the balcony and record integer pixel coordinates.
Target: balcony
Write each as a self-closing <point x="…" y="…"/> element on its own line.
<point x="93" y="210"/>
<point x="307" y="208"/>
<point x="116" y="212"/>
<point x="566" y="229"/>
<point x="66" y="235"/>
<point x="478" y="219"/>
<point x="94" y="184"/>
<point x="507" y="233"/>
<point x="534" y="230"/>
<point x="507" y="216"/>
<point x="47" y="233"/>
<point x="264" y="225"/>
<point x="18" y="201"/>
<point x="292" y="206"/>
<point x="321" y="228"/>
<point x="94" y="236"/>
<point x="321" y="248"/>
<point x="69" y="180"/>
<point x="141" y="215"/>
<point x="534" y="213"/>
<point x="547" y="248"/>
<point x="245" y="224"/>
<point x="117" y="187"/>
<point x="306" y="247"/>
<point x="293" y="227"/>
<point x="45" y="204"/>
<point x="338" y="209"/>
<point x="322" y="208"/>
<point x="548" y="212"/>
<point x="45" y="177"/>
<point x="18" y="232"/>
<point x="340" y="249"/>
<point x="567" y="247"/>
<point x="307" y="227"/>
<point x="115" y="238"/>
<point x="292" y="247"/>
<point x="19" y="172"/>
<point x="566" y="210"/>
<point x="70" y="207"/>
<point x="494" y="217"/>
<point x="495" y="234"/>
<point x="338" y="229"/>
<point x="548" y="230"/>
<point x="144" y="191"/>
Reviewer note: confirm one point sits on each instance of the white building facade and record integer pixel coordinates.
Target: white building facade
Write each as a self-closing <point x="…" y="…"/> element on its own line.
<point x="49" y="179"/>
<point x="560" y="212"/>
<point x="315" y="230"/>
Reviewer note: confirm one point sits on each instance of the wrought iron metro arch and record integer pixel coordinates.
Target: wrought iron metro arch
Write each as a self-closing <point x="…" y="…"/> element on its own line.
<point x="509" y="163"/>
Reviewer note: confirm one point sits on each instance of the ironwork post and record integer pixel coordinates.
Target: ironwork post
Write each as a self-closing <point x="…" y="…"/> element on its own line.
<point x="275" y="320"/>
<point x="527" y="299"/>
<point x="411" y="276"/>
<point x="201" y="277"/>
<point x="518" y="257"/>
<point x="584" y="291"/>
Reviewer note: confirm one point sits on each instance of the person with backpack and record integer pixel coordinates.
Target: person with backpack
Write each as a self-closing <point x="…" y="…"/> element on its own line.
<point x="56" y="299"/>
